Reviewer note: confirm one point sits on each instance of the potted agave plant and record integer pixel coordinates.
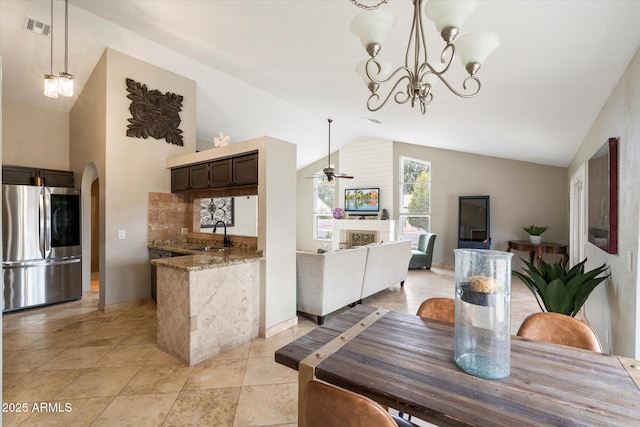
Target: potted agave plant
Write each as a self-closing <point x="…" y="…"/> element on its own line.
<point x="535" y="233"/>
<point x="561" y="291"/>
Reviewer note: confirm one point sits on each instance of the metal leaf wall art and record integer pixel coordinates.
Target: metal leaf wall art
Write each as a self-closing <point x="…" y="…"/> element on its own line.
<point x="154" y="114"/>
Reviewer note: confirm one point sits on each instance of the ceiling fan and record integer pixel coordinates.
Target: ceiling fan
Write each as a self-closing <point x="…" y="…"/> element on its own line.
<point x="329" y="171"/>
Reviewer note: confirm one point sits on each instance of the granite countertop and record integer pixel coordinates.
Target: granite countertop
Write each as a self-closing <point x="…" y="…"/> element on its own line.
<point x="195" y="260"/>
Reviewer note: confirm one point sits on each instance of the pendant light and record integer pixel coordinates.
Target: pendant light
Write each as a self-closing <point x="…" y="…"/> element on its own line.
<point x="51" y="81"/>
<point x="66" y="79"/>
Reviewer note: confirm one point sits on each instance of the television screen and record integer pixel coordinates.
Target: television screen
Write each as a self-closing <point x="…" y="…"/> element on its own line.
<point x="473" y="218"/>
<point x="362" y="200"/>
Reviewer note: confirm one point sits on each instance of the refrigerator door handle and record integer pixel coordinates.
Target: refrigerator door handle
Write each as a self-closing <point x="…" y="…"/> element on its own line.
<point x="47" y="223"/>
<point x="41" y="263"/>
<point x="41" y="223"/>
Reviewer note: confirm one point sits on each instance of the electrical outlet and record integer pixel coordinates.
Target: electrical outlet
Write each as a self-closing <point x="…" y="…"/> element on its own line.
<point x="122" y="234"/>
<point x="184" y="231"/>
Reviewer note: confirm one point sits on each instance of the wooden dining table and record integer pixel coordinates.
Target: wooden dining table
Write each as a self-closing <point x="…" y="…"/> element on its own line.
<point x="406" y="362"/>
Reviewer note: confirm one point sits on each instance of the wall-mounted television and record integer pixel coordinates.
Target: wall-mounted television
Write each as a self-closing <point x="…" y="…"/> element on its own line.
<point x="362" y="200"/>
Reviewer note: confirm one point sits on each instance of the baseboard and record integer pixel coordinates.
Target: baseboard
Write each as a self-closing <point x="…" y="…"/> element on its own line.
<point x="280" y="327"/>
<point x="445" y="266"/>
<point x="123" y="305"/>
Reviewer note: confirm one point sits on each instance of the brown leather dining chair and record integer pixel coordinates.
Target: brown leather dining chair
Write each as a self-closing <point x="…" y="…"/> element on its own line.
<point x="442" y="309"/>
<point x="328" y="405"/>
<point x="559" y="329"/>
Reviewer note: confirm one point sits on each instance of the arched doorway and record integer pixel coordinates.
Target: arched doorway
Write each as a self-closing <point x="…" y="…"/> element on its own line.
<point x="95" y="236"/>
<point x="92" y="276"/>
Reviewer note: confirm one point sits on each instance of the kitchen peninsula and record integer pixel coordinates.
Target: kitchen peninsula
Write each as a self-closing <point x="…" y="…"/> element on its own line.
<point x="276" y="218"/>
<point x="207" y="301"/>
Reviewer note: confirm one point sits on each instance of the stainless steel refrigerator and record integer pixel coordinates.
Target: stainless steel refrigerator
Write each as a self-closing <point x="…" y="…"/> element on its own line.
<point x="42" y="253"/>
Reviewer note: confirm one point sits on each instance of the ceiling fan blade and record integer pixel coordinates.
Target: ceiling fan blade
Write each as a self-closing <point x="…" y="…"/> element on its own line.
<point x="343" y="175"/>
<point x="316" y="175"/>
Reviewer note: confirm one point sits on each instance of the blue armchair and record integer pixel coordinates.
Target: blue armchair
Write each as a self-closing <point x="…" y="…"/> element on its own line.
<point x="421" y="257"/>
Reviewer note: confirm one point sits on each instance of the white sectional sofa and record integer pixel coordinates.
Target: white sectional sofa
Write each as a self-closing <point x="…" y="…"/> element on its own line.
<point x="332" y="280"/>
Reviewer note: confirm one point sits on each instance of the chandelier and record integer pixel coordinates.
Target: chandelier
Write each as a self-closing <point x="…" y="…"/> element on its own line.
<point x="420" y="76"/>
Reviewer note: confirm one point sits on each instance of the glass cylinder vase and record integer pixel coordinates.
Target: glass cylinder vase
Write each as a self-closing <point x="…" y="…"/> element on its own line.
<point x="482" y="312"/>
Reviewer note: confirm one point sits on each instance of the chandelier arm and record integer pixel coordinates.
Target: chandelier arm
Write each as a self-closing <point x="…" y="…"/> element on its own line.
<point x="477" y="82"/>
<point x="464" y="86"/>
<point x="424" y="40"/>
<point x="377" y="97"/>
<point x="443" y="57"/>
<point x="412" y="36"/>
<point x="392" y="75"/>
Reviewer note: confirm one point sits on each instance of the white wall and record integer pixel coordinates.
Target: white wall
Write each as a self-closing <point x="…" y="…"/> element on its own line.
<point x="520" y="193"/>
<point x="612" y="310"/>
<point x="35" y="136"/>
<point x="369" y="161"/>
<point x="129" y="168"/>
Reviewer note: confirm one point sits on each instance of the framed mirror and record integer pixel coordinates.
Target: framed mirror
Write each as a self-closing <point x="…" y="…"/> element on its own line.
<point x="603" y="197"/>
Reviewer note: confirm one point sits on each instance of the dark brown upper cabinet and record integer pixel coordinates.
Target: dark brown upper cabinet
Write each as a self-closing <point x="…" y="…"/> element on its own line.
<point x="54" y="178"/>
<point x="19" y="175"/>
<point x="199" y="177"/>
<point x="221" y="173"/>
<point x="190" y="178"/>
<point x="224" y="173"/>
<point x="245" y="170"/>
<point x="180" y="179"/>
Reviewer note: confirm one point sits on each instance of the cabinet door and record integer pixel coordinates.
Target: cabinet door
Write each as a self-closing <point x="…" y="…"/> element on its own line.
<point x="16" y="175"/>
<point x="54" y="178"/>
<point x="179" y="179"/>
<point x="221" y="173"/>
<point x="245" y="170"/>
<point x="199" y="177"/>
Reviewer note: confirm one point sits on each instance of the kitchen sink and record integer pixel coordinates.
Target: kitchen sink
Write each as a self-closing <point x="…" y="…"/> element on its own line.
<point x="206" y="249"/>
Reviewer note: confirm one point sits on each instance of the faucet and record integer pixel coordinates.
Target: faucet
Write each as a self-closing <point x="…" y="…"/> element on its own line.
<point x="226" y="242"/>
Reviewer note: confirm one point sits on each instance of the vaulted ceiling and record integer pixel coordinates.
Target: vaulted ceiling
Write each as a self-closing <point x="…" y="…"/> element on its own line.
<point x="541" y="90"/>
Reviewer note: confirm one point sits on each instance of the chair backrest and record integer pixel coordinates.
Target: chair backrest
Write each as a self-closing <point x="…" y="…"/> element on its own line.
<point x="423" y="241"/>
<point x="328" y="405"/>
<point x="442" y="309"/>
<point x="559" y="329"/>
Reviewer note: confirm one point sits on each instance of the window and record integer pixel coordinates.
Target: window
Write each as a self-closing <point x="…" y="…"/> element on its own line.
<point x="415" y="198"/>
<point x="323" y="200"/>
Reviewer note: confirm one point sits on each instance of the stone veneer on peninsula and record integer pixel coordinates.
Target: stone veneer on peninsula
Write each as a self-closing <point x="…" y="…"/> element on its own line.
<point x="206" y="302"/>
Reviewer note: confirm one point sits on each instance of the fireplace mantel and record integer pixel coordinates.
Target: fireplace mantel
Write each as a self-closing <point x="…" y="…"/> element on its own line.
<point x="385" y="230"/>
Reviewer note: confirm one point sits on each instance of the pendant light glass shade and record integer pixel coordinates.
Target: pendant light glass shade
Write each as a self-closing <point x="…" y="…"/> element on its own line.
<point x="51" y="86"/>
<point x="446" y="13"/>
<point x="476" y="47"/>
<point x="66" y="84"/>
<point x="372" y="26"/>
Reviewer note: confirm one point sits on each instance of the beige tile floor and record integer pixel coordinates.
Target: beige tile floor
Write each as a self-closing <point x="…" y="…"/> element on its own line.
<point x="98" y="369"/>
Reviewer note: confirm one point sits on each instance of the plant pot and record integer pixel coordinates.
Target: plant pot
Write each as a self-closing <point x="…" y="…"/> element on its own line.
<point x="536" y="240"/>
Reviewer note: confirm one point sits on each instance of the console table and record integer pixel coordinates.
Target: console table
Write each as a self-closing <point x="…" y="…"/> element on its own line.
<point x="539" y="249"/>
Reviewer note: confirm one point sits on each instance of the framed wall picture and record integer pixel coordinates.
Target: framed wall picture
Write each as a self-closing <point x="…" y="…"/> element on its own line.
<point x="603" y="197"/>
<point x="216" y="209"/>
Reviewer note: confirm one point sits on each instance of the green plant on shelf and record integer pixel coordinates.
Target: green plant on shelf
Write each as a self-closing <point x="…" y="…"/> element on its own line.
<point x="535" y="230"/>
